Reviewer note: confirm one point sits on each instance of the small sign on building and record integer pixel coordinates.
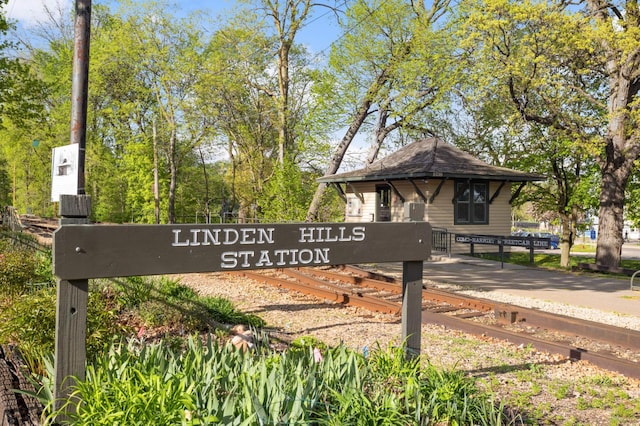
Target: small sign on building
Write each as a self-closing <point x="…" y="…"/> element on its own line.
<point x="64" y="171"/>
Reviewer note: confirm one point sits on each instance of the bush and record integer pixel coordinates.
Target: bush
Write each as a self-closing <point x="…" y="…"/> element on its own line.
<point x="29" y="322"/>
<point x="22" y="266"/>
<point x="17" y="270"/>
<point x="208" y="383"/>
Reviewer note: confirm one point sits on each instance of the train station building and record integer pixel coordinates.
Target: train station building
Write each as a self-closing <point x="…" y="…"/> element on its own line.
<point x="433" y="181"/>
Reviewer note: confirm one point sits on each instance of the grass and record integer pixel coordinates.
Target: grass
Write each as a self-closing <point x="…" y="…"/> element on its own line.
<point x="551" y="260"/>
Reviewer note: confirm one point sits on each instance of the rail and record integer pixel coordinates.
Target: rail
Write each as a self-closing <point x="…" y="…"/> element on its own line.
<point x="516" y="324"/>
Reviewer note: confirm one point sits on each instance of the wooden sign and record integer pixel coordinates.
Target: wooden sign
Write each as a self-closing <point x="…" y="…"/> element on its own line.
<point x="101" y="251"/>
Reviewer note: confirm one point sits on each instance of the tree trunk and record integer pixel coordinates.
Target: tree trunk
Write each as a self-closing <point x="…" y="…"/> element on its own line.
<point x="622" y="140"/>
<point x="379" y="136"/>
<point x="283" y="102"/>
<point x="207" y="209"/>
<point x="336" y="160"/>
<point x="173" y="168"/>
<point x="156" y="180"/>
<point x="568" y="237"/>
<point x="615" y="175"/>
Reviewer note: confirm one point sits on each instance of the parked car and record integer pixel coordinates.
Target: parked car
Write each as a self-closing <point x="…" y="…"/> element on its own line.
<point x="554" y="240"/>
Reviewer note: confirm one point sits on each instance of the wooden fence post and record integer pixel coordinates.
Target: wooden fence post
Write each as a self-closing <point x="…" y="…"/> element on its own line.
<point x="71" y="313"/>
<point x="412" y="306"/>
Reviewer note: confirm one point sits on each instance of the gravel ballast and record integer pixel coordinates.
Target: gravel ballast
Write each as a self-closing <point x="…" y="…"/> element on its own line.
<point x="551" y="389"/>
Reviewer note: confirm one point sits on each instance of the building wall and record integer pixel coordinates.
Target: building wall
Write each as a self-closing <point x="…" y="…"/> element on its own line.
<point x="362" y="199"/>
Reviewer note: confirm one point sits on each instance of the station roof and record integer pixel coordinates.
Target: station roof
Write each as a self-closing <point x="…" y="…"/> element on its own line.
<point x="431" y="158"/>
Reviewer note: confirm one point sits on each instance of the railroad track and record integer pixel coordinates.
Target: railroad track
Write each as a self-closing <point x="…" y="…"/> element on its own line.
<point x="42" y="229"/>
<point x="606" y="346"/>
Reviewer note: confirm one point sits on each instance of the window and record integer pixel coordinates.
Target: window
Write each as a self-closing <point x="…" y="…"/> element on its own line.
<point x="471" y="204"/>
<point x="383" y="201"/>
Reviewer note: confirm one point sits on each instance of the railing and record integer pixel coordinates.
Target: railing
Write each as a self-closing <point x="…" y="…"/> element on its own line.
<point x="440" y="240"/>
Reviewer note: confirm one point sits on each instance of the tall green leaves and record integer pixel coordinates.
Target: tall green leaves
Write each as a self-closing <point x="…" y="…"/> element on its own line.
<point x="210" y="383"/>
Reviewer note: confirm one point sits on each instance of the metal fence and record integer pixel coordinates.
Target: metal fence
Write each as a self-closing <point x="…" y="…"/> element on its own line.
<point x="440" y="240"/>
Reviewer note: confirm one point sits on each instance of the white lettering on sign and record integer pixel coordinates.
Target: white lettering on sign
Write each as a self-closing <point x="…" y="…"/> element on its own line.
<point x="253" y="257"/>
<point x="249" y="258"/>
<point x="327" y="234"/>
<point x="227" y="236"/>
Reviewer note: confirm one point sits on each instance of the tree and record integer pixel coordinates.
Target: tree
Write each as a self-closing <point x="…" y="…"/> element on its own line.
<point x="24" y="131"/>
<point x="163" y="56"/>
<point x="288" y="17"/>
<point x="577" y="74"/>
<point x="518" y="109"/>
<point x="616" y="31"/>
<point x="389" y="61"/>
<point x="240" y="92"/>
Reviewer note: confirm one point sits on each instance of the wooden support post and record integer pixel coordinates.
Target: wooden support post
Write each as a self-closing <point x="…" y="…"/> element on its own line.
<point x="412" y="306"/>
<point x="71" y="313"/>
<point x="531" y="248"/>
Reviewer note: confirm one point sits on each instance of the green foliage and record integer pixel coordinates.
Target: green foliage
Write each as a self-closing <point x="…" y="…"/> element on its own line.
<point x="17" y="269"/>
<point x="22" y="265"/>
<point x="162" y="301"/>
<point x="28" y="320"/>
<point x="287" y="194"/>
<point x="209" y="383"/>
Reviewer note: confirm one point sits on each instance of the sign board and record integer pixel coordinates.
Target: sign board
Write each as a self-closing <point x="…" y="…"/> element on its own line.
<point x="64" y="171"/>
<point x="101" y="251"/>
<point x="540" y="243"/>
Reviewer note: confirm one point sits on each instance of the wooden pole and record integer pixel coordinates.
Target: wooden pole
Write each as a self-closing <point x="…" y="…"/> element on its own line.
<point x="80" y="84"/>
<point x="71" y="314"/>
<point x="412" y="306"/>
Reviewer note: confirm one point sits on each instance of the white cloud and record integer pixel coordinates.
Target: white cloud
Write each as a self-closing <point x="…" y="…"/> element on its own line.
<point x="28" y="12"/>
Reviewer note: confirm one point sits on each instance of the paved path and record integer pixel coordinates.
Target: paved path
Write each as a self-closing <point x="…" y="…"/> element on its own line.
<point x="608" y="294"/>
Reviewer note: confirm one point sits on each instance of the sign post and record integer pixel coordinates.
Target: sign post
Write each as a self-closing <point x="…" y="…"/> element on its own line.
<point x="82" y="251"/>
<point x="71" y="311"/>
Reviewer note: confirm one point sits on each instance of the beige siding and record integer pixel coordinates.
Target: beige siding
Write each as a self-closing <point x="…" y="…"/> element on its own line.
<point x="440" y="213"/>
<point x="365" y="194"/>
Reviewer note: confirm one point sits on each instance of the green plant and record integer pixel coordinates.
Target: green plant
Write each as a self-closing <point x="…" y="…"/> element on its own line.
<point x="132" y="291"/>
<point x="205" y="382"/>
<point x="163" y="301"/>
<point x="17" y="270"/>
<point x="29" y="322"/>
<point x="561" y="391"/>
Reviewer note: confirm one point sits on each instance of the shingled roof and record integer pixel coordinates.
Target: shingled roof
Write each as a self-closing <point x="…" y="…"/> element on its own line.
<point x="431" y="158"/>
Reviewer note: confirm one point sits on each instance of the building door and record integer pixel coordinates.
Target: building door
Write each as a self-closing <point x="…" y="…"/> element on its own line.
<point x="383" y="203"/>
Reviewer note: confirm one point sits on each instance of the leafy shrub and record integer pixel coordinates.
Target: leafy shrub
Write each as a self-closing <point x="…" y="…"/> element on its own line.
<point x="29" y="322"/>
<point x="17" y="270"/>
<point x="209" y="383"/>
<point x="21" y="266"/>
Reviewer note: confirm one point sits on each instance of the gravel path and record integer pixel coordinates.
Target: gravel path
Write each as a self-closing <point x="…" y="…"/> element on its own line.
<point x="552" y="389"/>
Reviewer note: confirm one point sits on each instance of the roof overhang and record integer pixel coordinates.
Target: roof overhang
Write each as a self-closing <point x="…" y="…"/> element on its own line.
<point x="436" y="176"/>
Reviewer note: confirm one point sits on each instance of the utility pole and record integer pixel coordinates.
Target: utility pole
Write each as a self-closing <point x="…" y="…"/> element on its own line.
<point x="80" y="84"/>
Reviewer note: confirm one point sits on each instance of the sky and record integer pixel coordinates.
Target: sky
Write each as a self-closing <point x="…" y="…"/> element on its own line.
<point x="318" y="34"/>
